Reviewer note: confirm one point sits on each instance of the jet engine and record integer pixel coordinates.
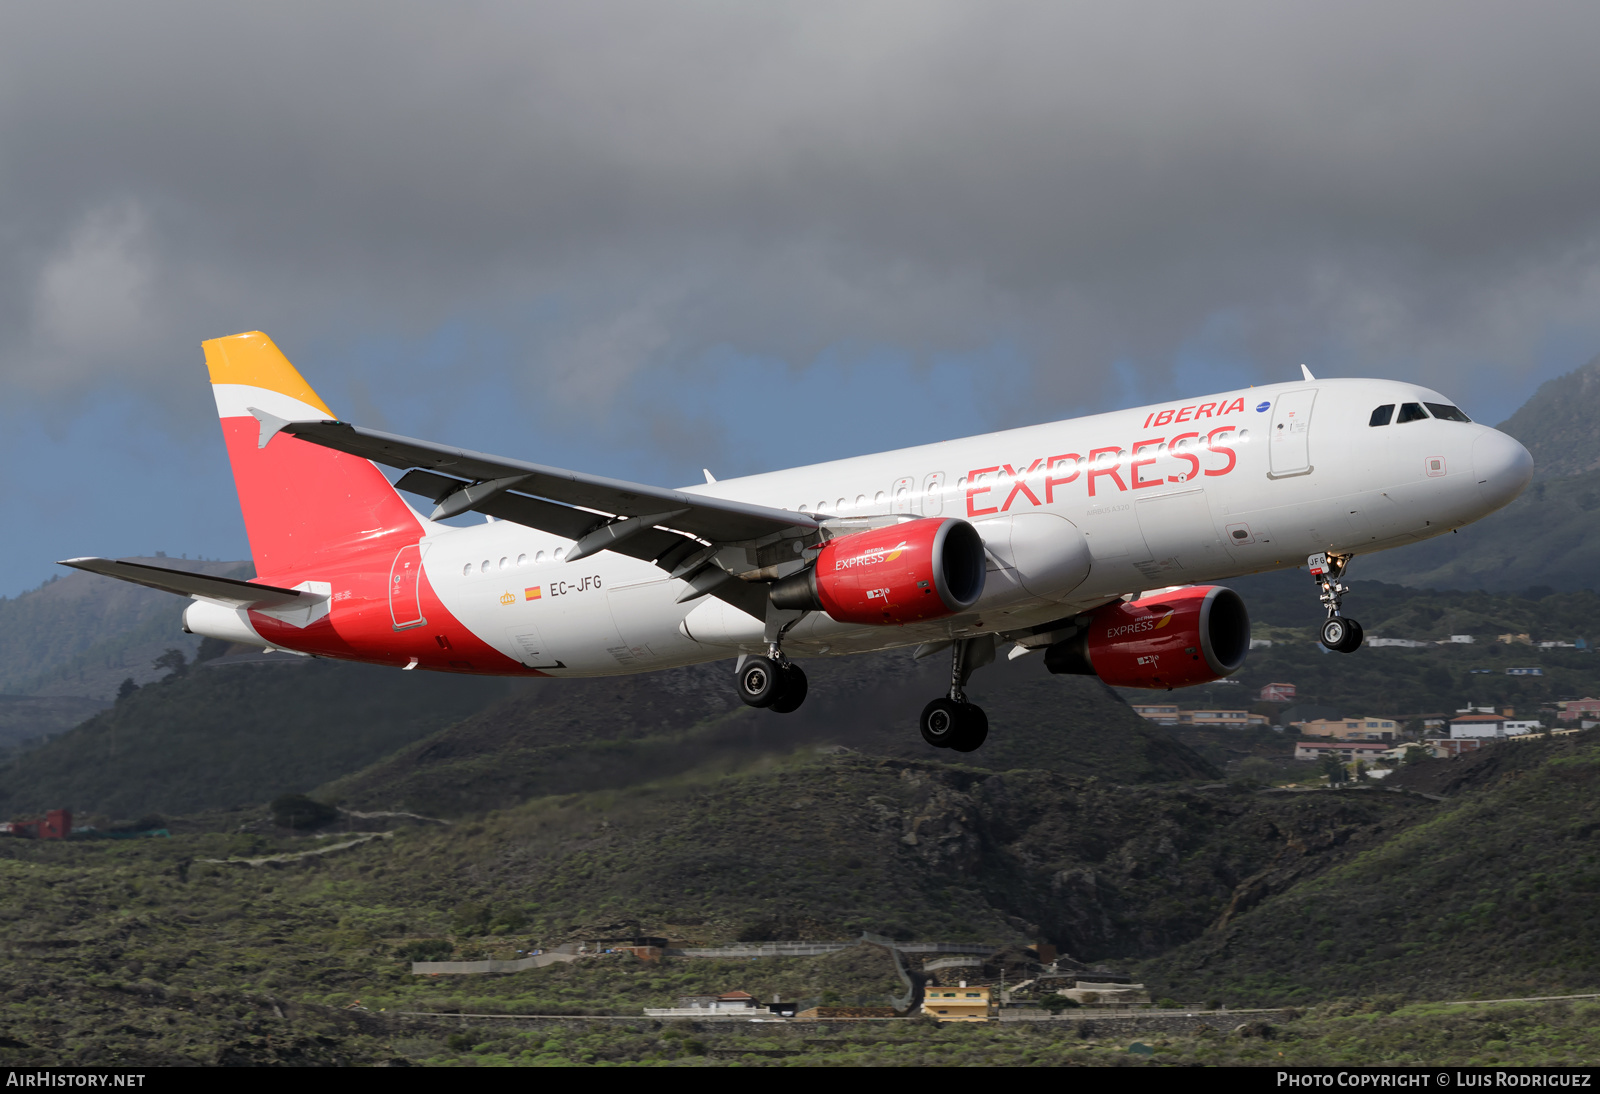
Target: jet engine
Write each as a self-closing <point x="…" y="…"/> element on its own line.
<point x="905" y="573"/>
<point x="1170" y="639"/>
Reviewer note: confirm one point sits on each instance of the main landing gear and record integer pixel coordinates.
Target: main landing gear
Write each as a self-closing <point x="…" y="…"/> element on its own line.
<point x="950" y="721"/>
<point x="1338" y="633"/>
<point x="774" y="682"/>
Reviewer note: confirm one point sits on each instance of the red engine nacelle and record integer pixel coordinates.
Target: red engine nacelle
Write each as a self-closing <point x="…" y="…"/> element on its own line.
<point x="922" y="569"/>
<point x="1167" y="640"/>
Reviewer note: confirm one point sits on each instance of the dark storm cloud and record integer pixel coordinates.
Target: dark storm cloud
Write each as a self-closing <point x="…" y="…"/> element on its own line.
<point x="622" y="187"/>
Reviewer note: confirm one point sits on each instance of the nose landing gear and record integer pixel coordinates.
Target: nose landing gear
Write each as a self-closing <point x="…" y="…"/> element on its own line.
<point x="1339" y="634"/>
<point x="950" y="721"/>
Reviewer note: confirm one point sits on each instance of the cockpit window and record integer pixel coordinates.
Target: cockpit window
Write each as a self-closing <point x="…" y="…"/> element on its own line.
<point x="1412" y="412"/>
<point x="1382" y="415"/>
<point x="1447" y="413"/>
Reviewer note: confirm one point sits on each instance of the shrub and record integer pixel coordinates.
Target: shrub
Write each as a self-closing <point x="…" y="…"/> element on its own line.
<point x="428" y="949"/>
<point x="300" y="812"/>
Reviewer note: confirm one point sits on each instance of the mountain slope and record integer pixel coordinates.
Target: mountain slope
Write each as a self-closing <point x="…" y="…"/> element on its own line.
<point x="82" y="634"/>
<point x="832" y="845"/>
<point x="1549" y="536"/>
<point x="1493" y="894"/>
<point x="562" y="736"/>
<point x="1560" y="424"/>
<point x="234" y="735"/>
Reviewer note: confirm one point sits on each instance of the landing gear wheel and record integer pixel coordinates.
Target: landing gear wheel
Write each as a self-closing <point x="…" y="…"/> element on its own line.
<point x="792" y="691"/>
<point x="941" y="722"/>
<point x="760" y="682"/>
<point x="960" y="727"/>
<point x="1342" y="635"/>
<point x="974" y="729"/>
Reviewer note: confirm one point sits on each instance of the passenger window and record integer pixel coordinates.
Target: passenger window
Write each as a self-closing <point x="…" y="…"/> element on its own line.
<point x="1447" y="413"/>
<point x="1383" y="415"/>
<point x="1412" y="412"/>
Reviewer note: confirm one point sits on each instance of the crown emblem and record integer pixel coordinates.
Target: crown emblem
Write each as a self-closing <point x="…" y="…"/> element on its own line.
<point x="507" y="599"/>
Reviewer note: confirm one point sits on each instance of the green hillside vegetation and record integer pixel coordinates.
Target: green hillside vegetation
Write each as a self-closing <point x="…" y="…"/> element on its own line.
<point x="166" y="957"/>
<point x="1492" y="896"/>
<point x="813" y="845"/>
<point x="28" y="718"/>
<point x="224" y="736"/>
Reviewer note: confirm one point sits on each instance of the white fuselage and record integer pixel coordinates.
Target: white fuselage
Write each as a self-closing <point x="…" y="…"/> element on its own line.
<point x="1073" y="514"/>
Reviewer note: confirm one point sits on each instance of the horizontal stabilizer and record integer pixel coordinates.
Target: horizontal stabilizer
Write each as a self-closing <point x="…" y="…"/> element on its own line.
<point x="218" y="590"/>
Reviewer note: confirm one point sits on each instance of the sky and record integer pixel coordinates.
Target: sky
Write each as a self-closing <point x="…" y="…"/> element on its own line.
<point x="640" y="239"/>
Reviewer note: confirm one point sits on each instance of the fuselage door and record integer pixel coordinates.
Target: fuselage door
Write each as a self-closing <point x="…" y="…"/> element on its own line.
<point x="1290" y="446"/>
<point x="405" y="607"/>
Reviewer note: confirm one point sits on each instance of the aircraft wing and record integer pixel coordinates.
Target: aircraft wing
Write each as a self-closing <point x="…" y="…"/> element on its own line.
<point x="221" y="590"/>
<point x="666" y="527"/>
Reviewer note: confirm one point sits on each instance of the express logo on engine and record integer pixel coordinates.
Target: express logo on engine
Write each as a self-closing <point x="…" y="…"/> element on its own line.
<point x="871" y="558"/>
<point x="1139" y="626"/>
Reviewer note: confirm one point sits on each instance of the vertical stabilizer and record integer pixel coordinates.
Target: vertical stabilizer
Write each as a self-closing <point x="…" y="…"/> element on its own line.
<point x="301" y="502"/>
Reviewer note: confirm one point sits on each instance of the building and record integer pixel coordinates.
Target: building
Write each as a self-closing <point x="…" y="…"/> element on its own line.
<point x="1405" y="643"/>
<point x="1525" y="672"/>
<point x="1457" y="640"/>
<point x="1490" y="726"/>
<point x="1350" y="729"/>
<point x="1228" y="719"/>
<point x="1097" y="993"/>
<point x="728" y="1004"/>
<point x="56" y="824"/>
<point x="1574" y="710"/>
<point x="1277" y="693"/>
<point x="1165" y="714"/>
<point x="1477" y="725"/>
<point x="957" y="1004"/>
<point x="1514" y="639"/>
<point x="1445" y="748"/>
<point x="1341" y="750"/>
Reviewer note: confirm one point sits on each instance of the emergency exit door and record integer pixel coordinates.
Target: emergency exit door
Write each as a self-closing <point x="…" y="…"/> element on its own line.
<point x="1290" y="445"/>
<point x="405" y="607"/>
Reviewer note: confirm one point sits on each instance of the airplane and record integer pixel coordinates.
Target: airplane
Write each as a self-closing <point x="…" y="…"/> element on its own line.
<point x="1096" y="542"/>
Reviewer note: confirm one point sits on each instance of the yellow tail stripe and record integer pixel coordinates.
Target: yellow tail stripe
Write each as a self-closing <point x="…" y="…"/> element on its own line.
<point x="253" y="360"/>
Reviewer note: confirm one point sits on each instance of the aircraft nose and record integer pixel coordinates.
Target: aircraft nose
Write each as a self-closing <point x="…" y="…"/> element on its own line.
<point x="1502" y="467"/>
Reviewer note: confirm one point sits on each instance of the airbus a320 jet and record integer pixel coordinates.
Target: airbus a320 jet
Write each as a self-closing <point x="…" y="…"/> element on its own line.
<point x="1094" y="542"/>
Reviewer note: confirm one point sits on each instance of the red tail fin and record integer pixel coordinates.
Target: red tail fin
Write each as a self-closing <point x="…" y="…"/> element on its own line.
<point x="301" y="502"/>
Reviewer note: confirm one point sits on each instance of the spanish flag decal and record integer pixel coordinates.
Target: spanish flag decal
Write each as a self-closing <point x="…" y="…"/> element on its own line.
<point x="532" y="592"/>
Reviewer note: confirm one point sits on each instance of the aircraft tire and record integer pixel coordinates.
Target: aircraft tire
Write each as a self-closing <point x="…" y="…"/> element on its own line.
<point x="792" y="692"/>
<point x="1353" y="640"/>
<point x="760" y="682"/>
